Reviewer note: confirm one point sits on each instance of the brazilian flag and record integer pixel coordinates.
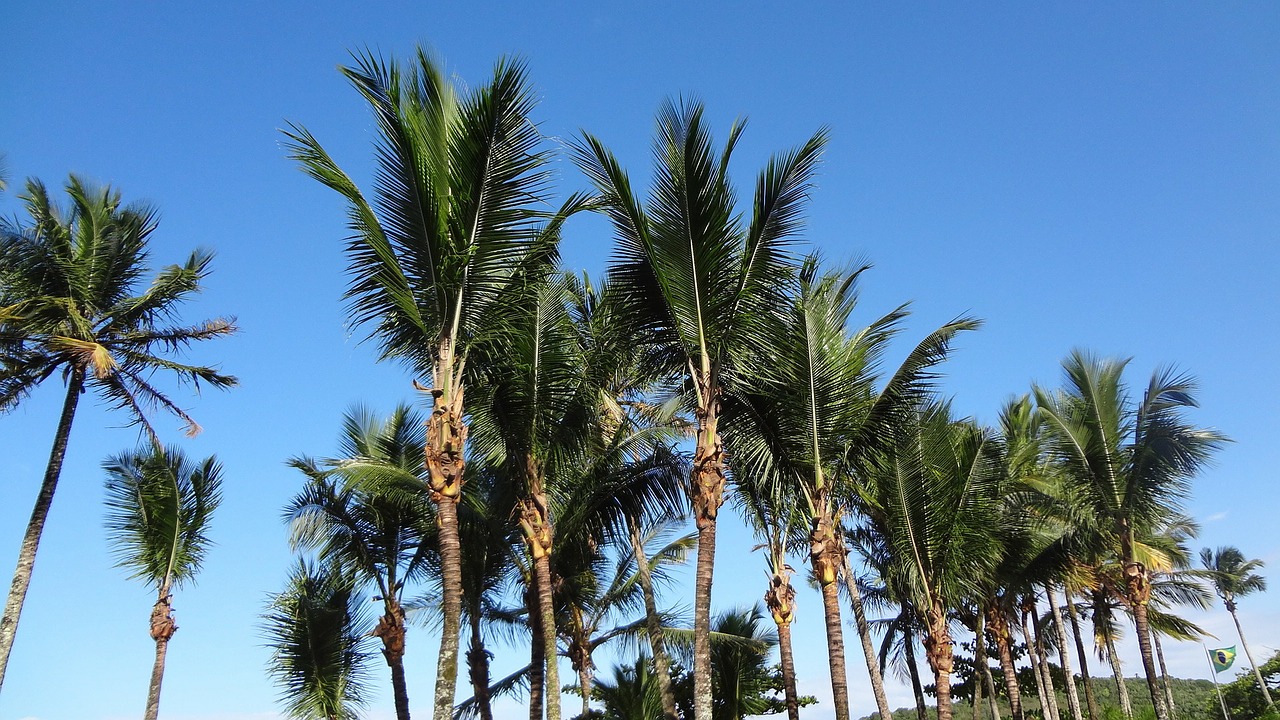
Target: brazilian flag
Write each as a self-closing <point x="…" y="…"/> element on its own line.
<point x="1222" y="658"/>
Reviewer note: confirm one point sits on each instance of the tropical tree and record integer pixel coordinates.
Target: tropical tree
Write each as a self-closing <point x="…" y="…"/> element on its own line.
<point x="159" y="506"/>
<point x="1128" y="464"/>
<point x="451" y="228"/>
<point x="1233" y="576"/>
<point x="71" y="302"/>
<point x="318" y="632"/>
<point x="697" y="288"/>
<point x="366" y="513"/>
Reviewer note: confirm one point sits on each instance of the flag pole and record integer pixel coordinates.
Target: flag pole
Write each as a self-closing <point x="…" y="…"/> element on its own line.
<point x="1213" y="675"/>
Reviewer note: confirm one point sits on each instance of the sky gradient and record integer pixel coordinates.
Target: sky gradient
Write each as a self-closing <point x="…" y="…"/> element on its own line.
<point x="1087" y="175"/>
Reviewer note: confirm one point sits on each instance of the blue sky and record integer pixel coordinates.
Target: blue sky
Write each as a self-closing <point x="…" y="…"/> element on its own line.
<point x="1085" y="175"/>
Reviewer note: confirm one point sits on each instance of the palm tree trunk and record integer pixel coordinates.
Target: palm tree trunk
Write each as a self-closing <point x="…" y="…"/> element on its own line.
<point x="445" y="462"/>
<point x="478" y="666"/>
<point x="537" y="651"/>
<point x="542" y="566"/>
<point x="1164" y="673"/>
<point x="909" y="650"/>
<point x="585" y="682"/>
<point x="1091" y="699"/>
<point x="162" y="630"/>
<point x="1231" y="606"/>
<point x="981" y="665"/>
<point x="937" y="646"/>
<point x="451" y="590"/>
<point x="1064" y="654"/>
<point x="1042" y="657"/>
<point x="1148" y="660"/>
<point x="788" y="671"/>
<point x="835" y="649"/>
<point x="706" y="490"/>
<point x="1137" y="583"/>
<point x="868" y="648"/>
<point x="999" y="624"/>
<point x="653" y="623"/>
<point x="391" y="630"/>
<point x="978" y="698"/>
<point x="1117" y="674"/>
<point x="1035" y="653"/>
<point x="35" y="526"/>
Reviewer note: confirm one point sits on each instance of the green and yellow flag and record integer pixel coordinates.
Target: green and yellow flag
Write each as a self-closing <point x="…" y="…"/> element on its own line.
<point x="1222" y="658"/>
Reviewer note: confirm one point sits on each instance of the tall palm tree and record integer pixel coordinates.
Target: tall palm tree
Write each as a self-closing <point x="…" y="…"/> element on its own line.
<point x="1233" y="576"/>
<point x="318" y="631"/>
<point x="71" y="302"/>
<point x="1128" y="463"/>
<point x="366" y="512"/>
<point x="449" y="230"/>
<point x="697" y="288"/>
<point x="159" y="506"/>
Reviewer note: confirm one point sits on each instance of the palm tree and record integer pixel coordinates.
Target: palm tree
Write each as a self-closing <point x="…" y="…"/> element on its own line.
<point x="317" y="632"/>
<point x="1233" y="576"/>
<point x="451" y="228"/>
<point x="366" y="513"/>
<point x="70" y="302"/>
<point x="697" y="289"/>
<point x="1128" y="464"/>
<point x="159" y="508"/>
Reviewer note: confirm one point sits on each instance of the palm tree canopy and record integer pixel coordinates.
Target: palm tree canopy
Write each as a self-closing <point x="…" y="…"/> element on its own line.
<point x="1231" y="574"/>
<point x="159" y="506"/>
<point x="70" y="300"/>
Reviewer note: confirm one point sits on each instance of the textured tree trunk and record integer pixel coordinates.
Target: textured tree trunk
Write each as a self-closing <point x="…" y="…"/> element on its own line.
<point x="391" y="630"/>
<point x="937" y="646"/>
<point x="788" y="671"/>
<point x="1042" y="657"/>
<point x="1117" y="674"/>
<point x="979" y="700"/>
<point x="585" y="682"/>
<point x="1164" y="673"/>
<point x="478" y="667"/>
<point x="653" y="624"/>
<point x="1091" y="699"/>
<point x="826" y="550"/>
<point x="1231" y="606"/>
<point x="1064" y="654"/>
<point x="706" y="491"/>
<point x="445" y="463"/>
<point x="535" y="521"/>
<point x="917" y="689"/>
<point x="537" y="651"/>
<point x="1148" y="661"/>
<point x="1137" y="583"/>
<point x="868" y="648"/>
<point x="162" y="630"/>
<point x="999" y="624"/>
<point x="35" y="526"/>
<point x="982" y="666"/>
<point x="1044" y="687"/>
<point x="542" y="566"/>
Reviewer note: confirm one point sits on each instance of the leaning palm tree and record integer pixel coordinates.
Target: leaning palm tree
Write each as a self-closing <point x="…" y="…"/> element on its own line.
<point x="70" y="303"/>
<point x="697" y="288"/>
<point x="366" y="512"/>
<point x="1128" y="464"/>
<point x="1233" y="576"/>
<point x="317" y="631"/>
<point x="449" y="230"/>
<point x="159" y="508"/>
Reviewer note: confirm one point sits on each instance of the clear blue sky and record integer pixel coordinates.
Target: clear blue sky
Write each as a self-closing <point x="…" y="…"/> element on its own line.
<point x="1096" y="175"/>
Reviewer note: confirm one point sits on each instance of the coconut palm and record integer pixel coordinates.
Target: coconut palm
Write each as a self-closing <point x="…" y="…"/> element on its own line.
<point x="449" y="230"/>
<point x="366" y="512"/>
<point x="1233" y="576"/>
<point x="70" y="303"/>
<point x="697" y="288"/>
<point x="318" y="633"/>
<point x="1129" y="464"/>
<point x="159" y="506"/>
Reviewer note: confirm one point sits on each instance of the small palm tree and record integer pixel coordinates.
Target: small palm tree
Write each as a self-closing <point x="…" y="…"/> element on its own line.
<point x="70" y="303"/>
<point x="318" y="633"/>
<point x="159" y="508"/>
<point x="1233" y="576"/>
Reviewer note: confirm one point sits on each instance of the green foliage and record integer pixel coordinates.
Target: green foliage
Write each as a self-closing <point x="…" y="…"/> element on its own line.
<point x="1244" y="699"/>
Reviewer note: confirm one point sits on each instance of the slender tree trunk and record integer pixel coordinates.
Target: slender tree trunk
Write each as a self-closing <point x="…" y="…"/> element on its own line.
<point x="391" y="630"/>
<point x="1043" y="689"/>
<point x="937" y="646"/>
<point x="1257" y="674"/>
<point x="868" y="648"/>
<point x="982" y="666"/>
<point x="1064" y="654"/>
<point x="979" y="700"/>
<point x="917" y="689"/>
<point x="535" y="521"/>
<point x="999" y="624"/>
<point x="788" y="671"/>
<point x="1117" y="674"/>
<point x="1138" y="594"/>
<point x="1091" y="699"/>
<point x="537" y="651"/>
<point x="585" y="681"/>
<point x="445" y="463"/>
<point x="706" y="491"/>
<point x="478" y="667"/>
<point x="653" y="623"/>
<point x="1042" y="657"/>
<point x="826" y="550"/>
<point x="1164" y="673"/>
<point x="35" y="526"/>
<point x="162" y="630"/>
<point x="542" y="566"/>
